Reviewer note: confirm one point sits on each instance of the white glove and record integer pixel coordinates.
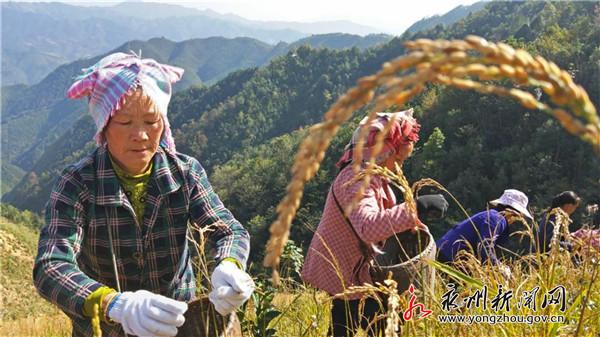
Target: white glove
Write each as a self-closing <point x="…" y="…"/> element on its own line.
<point x="143" y="313"/>
<point x="231" y="287"/>
<point x="505" y="271"/>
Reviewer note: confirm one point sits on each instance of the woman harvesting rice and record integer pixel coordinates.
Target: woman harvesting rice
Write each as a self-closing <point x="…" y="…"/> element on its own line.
<point x="483" y="232"/>
<point x="337" y="256"/>
<point x="118" y="219"/>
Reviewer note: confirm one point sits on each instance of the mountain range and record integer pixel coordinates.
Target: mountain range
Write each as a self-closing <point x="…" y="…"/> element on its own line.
<point x="38" y="37"/>
<point x="34" y="116"/>
<point x="263" y="108"/>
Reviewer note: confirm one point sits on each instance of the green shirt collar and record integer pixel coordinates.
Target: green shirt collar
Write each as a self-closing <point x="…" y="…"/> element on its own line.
<point x="129" y="178"/>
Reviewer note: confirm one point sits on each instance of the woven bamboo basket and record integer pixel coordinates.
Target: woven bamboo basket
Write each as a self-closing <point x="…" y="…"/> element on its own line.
<point x="405" y="257"/>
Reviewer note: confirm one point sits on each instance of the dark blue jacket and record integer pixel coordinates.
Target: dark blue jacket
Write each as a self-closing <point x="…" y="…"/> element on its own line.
<point x="543" y="234"/>
<point x="481" y="232"/>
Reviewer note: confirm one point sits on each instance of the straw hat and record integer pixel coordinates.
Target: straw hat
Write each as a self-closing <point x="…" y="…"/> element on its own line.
<point x="515" y="199"/>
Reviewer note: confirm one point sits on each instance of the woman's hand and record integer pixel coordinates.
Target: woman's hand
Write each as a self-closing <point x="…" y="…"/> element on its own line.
<point x="142" y="313"/>
<point x="505" y="271"/>
<point x="231" y="287"/>
<point x="419" y="226"/>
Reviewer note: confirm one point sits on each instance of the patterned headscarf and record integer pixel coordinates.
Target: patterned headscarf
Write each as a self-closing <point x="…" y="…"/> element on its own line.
<point x="118" y="75"/>
<point x="405" y="130"/>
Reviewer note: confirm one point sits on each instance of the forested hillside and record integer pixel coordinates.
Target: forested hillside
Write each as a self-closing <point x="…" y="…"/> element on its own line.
<point x="33" y="117"/>
<point x="245" y="128"/>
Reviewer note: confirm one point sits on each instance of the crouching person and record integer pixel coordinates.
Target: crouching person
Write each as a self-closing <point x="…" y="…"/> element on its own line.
<point x="556" y="219"/>
<point x="485" y="230"/>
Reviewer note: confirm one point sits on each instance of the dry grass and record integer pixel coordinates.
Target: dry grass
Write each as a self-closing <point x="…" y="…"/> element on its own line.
<point x="302" y="306"/>
<point x="48" y="325"/>
<point x="305" y="312"/>
<point x="22" y="311"/>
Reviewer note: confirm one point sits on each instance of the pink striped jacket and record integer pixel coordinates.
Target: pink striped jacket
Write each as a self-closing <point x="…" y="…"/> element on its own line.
<point x="333" y="260"/>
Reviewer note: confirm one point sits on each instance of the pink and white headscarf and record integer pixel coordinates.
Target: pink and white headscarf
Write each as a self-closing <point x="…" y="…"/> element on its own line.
<point x="404" y="130"/>
<point x="118" y="75"/>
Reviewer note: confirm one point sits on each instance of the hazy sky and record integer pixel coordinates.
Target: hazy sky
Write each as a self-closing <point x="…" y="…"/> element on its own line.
<point x="391" y="16"/>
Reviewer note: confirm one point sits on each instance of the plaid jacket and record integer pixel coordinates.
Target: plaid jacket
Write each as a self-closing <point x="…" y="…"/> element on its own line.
<point x="87" y="200"/>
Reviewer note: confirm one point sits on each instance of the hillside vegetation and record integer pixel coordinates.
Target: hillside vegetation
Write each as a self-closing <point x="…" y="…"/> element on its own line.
<point x="475" y="145"/>
<point x="36" y="116"/>
<point x="22" y="311"/>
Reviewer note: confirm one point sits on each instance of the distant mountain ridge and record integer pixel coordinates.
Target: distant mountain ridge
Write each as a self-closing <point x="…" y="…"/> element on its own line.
<point x="341" y="41"/>
<point x="38" y="37"/>
<point x="447" y="19"/>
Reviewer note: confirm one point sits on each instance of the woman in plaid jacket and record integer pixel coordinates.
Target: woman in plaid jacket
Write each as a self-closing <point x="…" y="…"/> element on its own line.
<point x="334" y="260"/>
<point x="117" y="221"/>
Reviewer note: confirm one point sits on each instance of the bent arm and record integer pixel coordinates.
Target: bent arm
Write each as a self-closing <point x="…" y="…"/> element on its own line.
<point x="56" y="274"/>
<point x="371" y="221"/>
<point x="206" y="209"/>
<point x="491" y="229"/>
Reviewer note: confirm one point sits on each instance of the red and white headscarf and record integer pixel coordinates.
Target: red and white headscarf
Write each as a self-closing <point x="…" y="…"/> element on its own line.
<point x="116" y="76"/>
<point x="405" y="130"/>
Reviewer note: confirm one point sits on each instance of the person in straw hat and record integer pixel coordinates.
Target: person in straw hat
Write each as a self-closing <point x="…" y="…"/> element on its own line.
<point x="483" y="231"/>
<point x="339" y="253"/>
<point x="116" y="232"/>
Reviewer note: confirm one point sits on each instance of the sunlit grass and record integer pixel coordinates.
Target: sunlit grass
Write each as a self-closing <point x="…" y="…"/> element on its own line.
<point x="22" y="311"/>
<point x="54" y="324"/>
<point x="306" y="312"/>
